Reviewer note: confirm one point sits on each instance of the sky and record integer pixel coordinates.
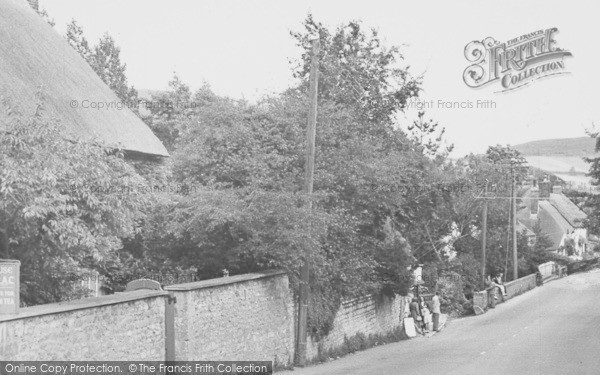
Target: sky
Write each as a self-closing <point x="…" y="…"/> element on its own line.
<point x="242" y="48"/>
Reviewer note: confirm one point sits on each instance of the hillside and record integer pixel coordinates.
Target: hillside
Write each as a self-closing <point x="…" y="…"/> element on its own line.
<point x="562" y="157"/>
<point x="577" y="147"/>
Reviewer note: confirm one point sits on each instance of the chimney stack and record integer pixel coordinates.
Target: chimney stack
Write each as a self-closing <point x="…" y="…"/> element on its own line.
<point x="544" y="189"/>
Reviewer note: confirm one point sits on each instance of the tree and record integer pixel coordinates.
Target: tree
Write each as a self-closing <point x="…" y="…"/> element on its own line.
<point x="428" y="138"/>
<point x="76" y="39"/>
<point x="373" y="207"/>
<point x="357" y="70"/>
<point x="41" y="11"/>
<point x="592" y="201"/>
<point x="64" y="207"/>
<point x="474" y="172"/>
<point x="247" y="212"/>
<point x="172" y="109"/>
<point x="106" y="62"/>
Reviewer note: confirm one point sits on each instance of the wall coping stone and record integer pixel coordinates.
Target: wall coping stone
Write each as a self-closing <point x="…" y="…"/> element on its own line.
<point x="81" y="304"/>
<point x="532" y="276"/>
<point x="220" y="281"/>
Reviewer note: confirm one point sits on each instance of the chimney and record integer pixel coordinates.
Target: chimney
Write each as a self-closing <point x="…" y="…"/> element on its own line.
<point x="557" y="189"/>
<point x="544" y="190"/>
<point x="533" y="204"/>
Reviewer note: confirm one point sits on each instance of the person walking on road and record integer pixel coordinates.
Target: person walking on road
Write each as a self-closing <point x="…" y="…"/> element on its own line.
<point x="435" y="310"/>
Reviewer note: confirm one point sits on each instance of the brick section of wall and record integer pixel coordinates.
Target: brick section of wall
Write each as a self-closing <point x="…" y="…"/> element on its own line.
<point x="368" y="315"/>
<point x="519" y="286"/>
<point x="119" y="327"/>
<point x="243" y="317"/>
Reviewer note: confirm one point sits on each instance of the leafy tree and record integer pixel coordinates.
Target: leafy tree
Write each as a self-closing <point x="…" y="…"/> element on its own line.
<point x="475" y="172"/>
<point x="64" y="207"/>
<point x="356" y="70"/>
<point x="172" y="109"/>
<point x="76" y="39"/>
<point x="592" y="201"/>
<point x="248" y="161"/>
<point x="41" y="11"/>
<point x="428" y="138"/>
<point x="249" y="213"/>
<point x="105" y="60"/>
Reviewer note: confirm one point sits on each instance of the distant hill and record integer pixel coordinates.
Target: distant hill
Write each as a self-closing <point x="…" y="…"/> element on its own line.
<point x="578" y="147"/>
<point x="562" y="157"/>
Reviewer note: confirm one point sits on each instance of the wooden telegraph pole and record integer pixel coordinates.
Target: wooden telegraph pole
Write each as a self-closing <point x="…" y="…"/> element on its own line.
<point x="308" y="189"/>
<point x="483" y="237"/>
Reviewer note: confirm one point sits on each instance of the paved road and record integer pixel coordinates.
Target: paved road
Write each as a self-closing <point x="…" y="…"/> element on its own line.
<point x="554" y="329"/>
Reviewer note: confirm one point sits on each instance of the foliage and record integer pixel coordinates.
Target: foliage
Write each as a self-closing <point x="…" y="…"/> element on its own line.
<point x="592" y="201"/>
<point x="35" y="5"/>
<point x="428" y="138"/>
<point x="63" y="208"/>
<point x="172" y="109"/>
<point x="356" y="70"/>
<point x="380" y="199"/>
<point x="360" y="342"/>
<point x="583" y="265"/>
<point x="452" y="298"/>
<point x="104" y="58"/>
<point x="77" y="40"/>
<point x="383" y="199"/>
<point x="246" y="162"/>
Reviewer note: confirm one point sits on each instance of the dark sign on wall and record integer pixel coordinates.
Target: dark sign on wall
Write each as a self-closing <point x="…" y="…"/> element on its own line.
<point x="9" y="286"/>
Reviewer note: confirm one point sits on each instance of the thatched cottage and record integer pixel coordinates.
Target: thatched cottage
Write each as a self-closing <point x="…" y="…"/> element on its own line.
<point x="33" y="56"/>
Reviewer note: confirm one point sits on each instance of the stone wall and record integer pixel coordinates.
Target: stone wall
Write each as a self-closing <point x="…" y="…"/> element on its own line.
<point x="370" y="315"/>
<point x="519" y="286"/>
<point x="484" y="299"/>
<point x="123" y="326"/>
<point x="243" y="317"/>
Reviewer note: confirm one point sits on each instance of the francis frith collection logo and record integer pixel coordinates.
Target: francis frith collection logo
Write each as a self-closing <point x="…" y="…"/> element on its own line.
<point x="514" y="63"/>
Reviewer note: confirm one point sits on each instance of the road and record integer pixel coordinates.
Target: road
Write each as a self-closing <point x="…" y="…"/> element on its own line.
<point x="553" y="329"/>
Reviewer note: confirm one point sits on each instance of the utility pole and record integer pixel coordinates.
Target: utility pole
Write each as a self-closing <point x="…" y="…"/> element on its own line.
<point x="513" y="207"/>
<point x="308" y="189"/>
<point x="483" y="237"/>
<point x="514" y="224"/>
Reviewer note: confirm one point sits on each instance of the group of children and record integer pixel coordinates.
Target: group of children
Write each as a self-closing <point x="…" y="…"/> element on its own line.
<point x="426" y="317"/>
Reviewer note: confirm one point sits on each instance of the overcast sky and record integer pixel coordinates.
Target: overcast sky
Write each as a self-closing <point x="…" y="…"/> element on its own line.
<point x="242" y="48"/>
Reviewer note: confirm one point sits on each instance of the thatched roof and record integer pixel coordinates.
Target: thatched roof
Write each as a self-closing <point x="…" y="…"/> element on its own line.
<point x="33" y="55"/>
<point x="553" y="224"/>
<point x="568" y="209"/>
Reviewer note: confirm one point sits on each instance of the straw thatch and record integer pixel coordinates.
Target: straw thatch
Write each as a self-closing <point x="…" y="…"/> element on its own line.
<point x="34" y="56"/>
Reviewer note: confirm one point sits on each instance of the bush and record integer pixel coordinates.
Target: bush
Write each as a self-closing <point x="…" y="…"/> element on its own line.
<point x="468" y="308"/>
<point x="583" y="265"/>
<point x="452" y="298"/>
<point x="360" y="342"/>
